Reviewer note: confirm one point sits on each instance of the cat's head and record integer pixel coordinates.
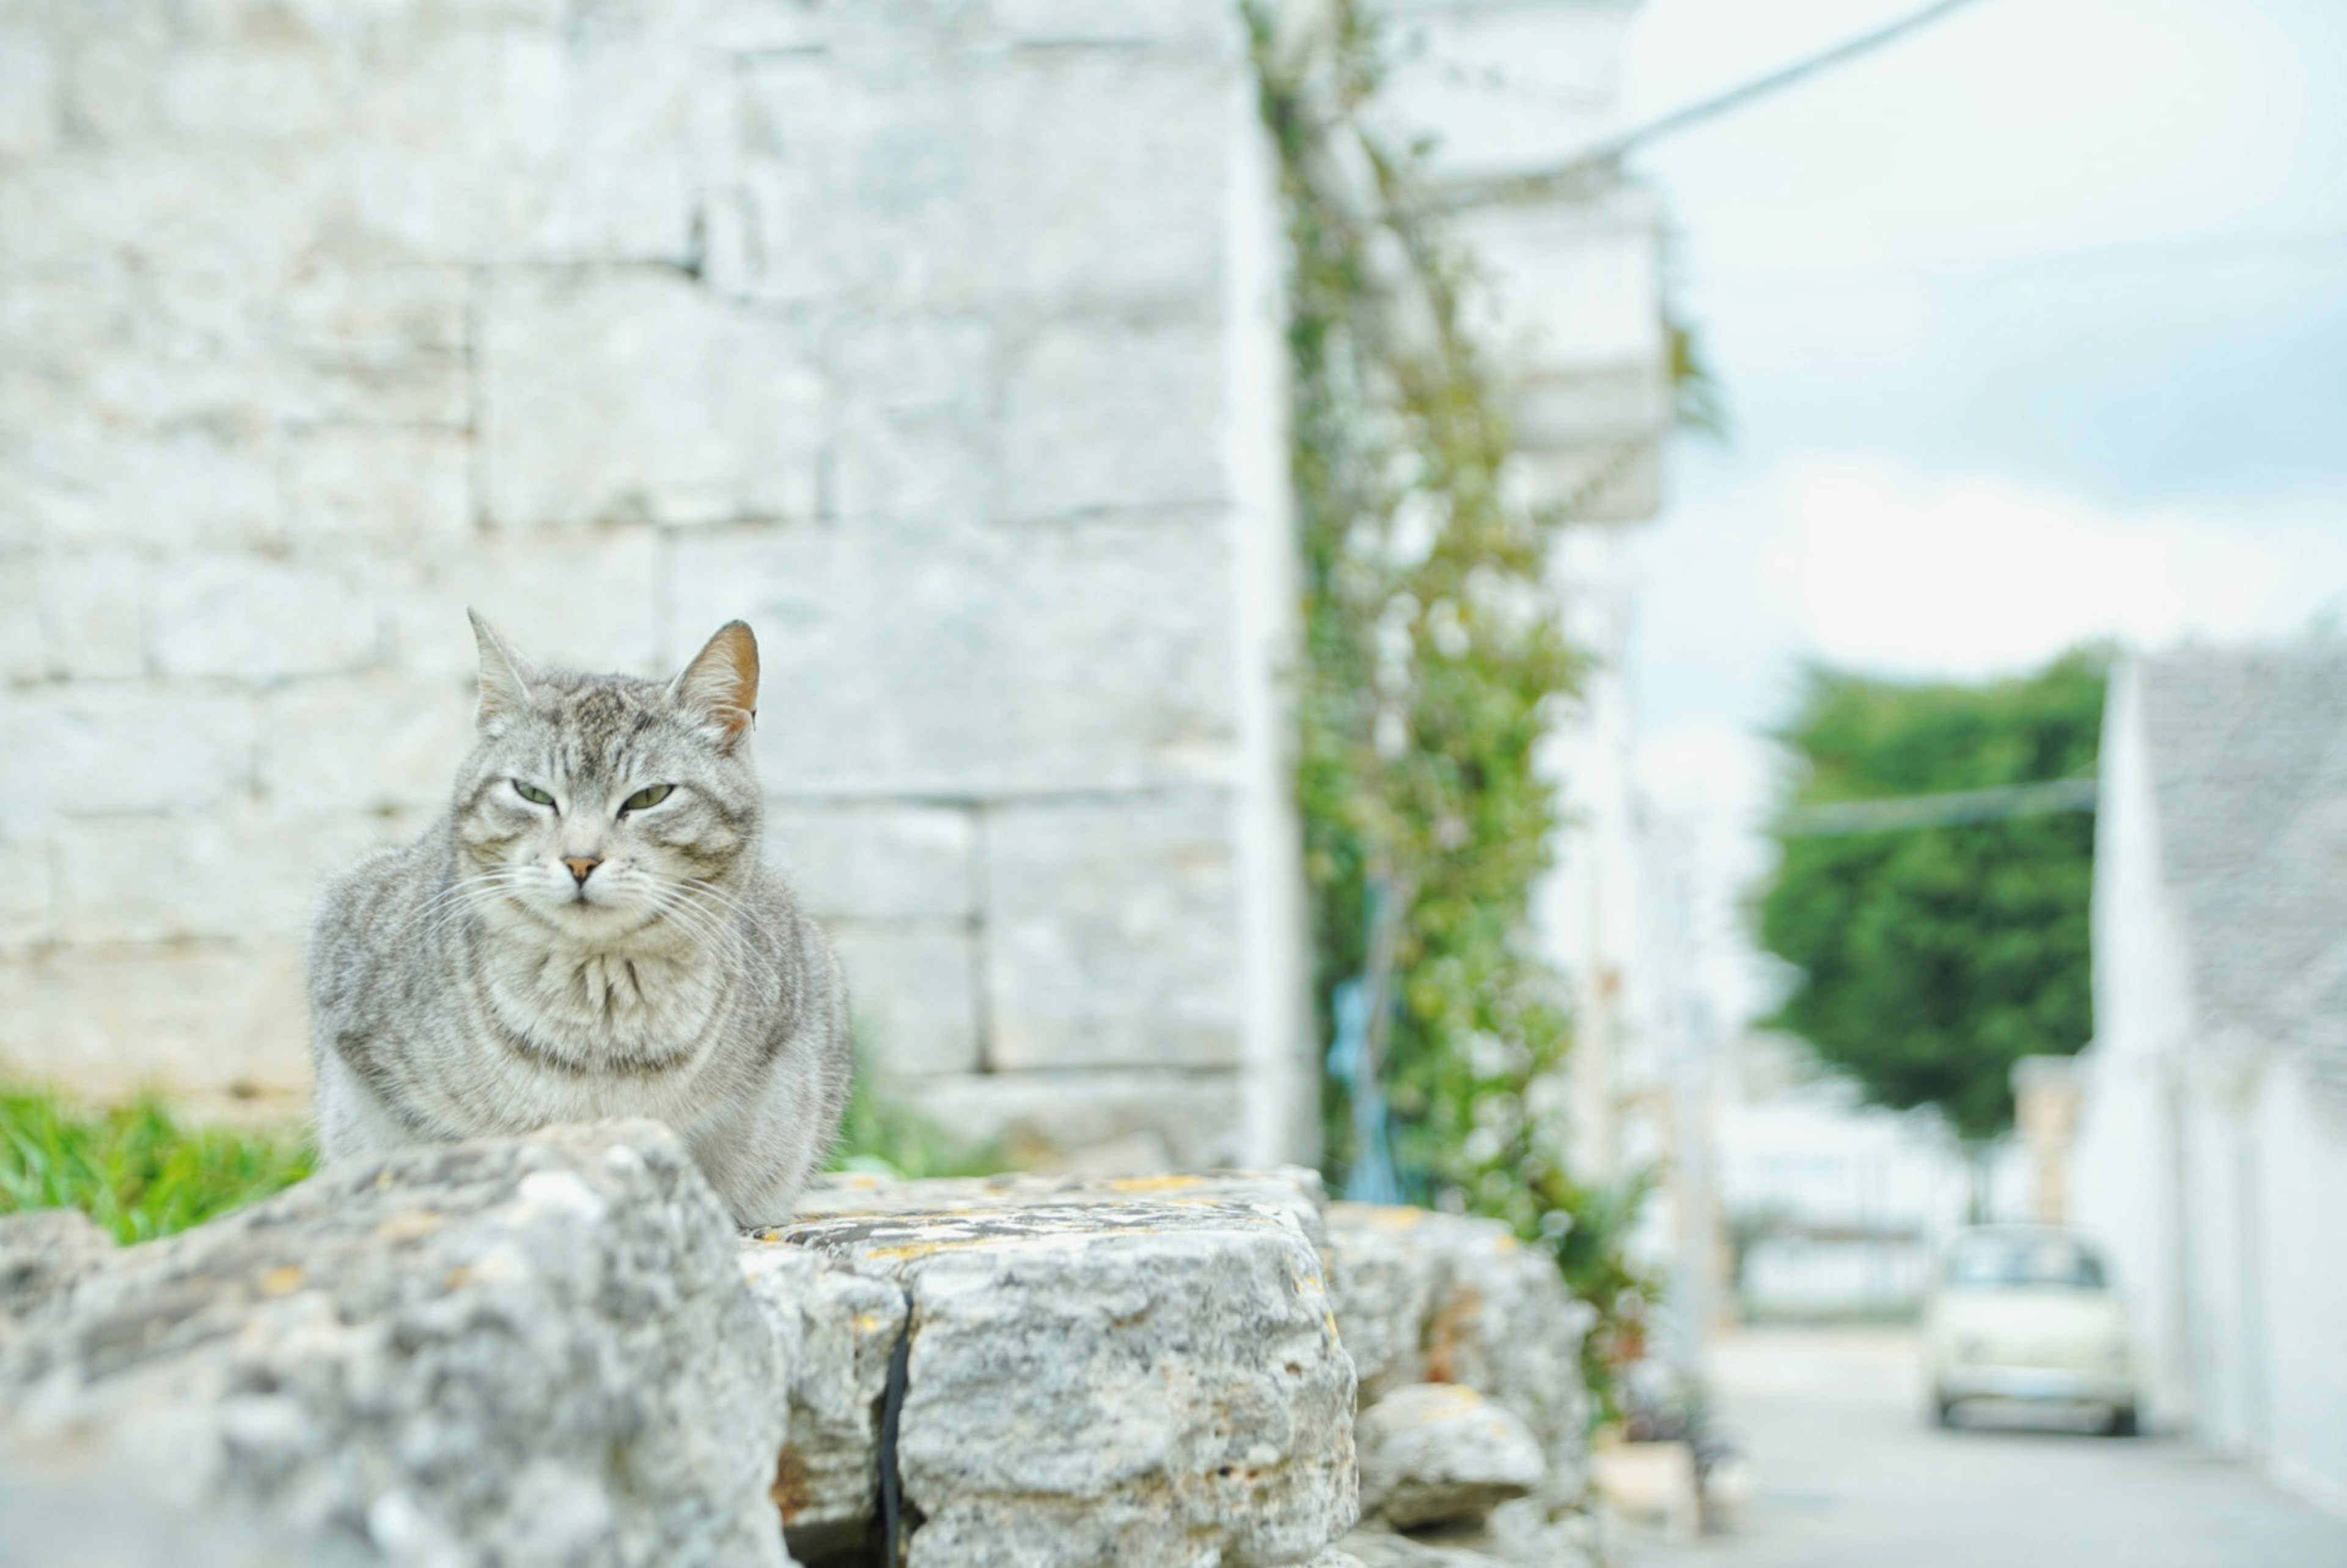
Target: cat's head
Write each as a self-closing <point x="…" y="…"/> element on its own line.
<point x="600" y="805"/>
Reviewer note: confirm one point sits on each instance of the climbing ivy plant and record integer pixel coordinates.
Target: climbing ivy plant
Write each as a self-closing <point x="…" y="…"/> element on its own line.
<point x="1433" y="665"/>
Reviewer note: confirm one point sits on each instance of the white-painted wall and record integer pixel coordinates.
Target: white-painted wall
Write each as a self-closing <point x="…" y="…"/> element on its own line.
<point x="2300" y="1133"/>
<point x="2213" y="1165"/>
<point x="2128" y="1171"/>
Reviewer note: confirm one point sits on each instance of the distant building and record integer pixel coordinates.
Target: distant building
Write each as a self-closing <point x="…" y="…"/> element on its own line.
<point x="2212" y="1142"/>
<point x="1834" y="1208"/>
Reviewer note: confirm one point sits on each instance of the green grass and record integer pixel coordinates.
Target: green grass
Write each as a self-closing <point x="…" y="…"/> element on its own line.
<point x="140" y="1172"/>
<point x="884" y="1137"/>
<point x="136" y="1170"/>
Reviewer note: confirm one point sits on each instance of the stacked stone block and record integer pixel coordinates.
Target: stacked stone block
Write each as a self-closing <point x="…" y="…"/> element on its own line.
<point x="940" y="343"/>
<point x="554" y="1349"/>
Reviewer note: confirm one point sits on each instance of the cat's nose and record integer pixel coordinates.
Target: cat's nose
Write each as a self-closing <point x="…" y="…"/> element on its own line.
<point x="581" y="866"/>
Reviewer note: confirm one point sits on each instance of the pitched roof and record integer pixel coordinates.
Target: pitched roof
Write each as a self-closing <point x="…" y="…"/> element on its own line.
<point x="2248" y="755"/>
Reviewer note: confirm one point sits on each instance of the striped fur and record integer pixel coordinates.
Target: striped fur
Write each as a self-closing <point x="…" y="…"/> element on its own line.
<point x="473" y="983"/>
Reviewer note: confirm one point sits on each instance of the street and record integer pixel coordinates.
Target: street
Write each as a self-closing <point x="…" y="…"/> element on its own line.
<point x="1851" y="1475"/>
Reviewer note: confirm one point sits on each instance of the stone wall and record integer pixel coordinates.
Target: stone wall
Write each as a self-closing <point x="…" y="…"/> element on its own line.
<point x="553" y="1349"/>
<point x="939" y="341"/>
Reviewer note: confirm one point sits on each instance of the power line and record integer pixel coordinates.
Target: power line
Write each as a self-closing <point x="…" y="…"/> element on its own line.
<point x="1904" y="813"/>
<point x="1576" y="171"/>
<point x="2092" y="261"/>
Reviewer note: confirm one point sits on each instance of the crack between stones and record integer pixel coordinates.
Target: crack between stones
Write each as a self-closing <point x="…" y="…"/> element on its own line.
<point x="892" y="1408"/>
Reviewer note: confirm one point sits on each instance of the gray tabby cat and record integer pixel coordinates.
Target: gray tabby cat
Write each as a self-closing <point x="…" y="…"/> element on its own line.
<point x="587" y="933"/>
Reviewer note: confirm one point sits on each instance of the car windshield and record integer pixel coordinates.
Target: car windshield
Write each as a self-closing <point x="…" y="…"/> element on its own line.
<point x="2023" y="1260"/>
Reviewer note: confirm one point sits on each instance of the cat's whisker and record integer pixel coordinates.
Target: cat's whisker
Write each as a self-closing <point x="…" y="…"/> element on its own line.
<point x="703" y="925"/>
<point x="454" y="902"/>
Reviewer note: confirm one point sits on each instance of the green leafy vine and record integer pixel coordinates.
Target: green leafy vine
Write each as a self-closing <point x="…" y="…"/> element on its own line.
<point x="1433" y="662"/>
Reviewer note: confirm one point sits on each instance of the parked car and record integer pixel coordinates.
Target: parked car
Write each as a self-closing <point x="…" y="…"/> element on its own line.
<point x="2026" y="1312"/>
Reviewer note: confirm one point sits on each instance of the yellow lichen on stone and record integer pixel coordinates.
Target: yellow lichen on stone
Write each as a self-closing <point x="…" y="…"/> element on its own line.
<point x="1167" y="1183"/>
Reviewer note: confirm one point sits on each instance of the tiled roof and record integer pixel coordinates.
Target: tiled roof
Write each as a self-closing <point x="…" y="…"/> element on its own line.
<point x="2248" y="754"/>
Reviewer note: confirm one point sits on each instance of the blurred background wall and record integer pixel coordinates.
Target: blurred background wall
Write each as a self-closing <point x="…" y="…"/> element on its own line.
<point x="940" y="343"/>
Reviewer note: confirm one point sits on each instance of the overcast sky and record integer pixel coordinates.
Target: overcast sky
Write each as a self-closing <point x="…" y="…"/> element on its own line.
<point x="2031" y="328"/>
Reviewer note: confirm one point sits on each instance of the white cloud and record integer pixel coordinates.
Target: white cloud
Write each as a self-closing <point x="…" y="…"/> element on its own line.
<point x="1976" y="578"/>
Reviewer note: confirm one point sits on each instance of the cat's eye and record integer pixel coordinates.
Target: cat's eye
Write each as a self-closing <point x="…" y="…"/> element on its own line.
<point x="650" y="794"/>
<point x="532" y="794"/>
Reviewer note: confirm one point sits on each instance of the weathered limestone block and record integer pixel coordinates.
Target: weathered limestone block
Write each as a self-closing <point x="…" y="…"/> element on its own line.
<point x="1383" y="1281"/>
<point x="837" y="1331"/>
<point x="86" y="1526"/>
<point x="528" y="1350"/>
<point x="384" y="741"/>
<point x="918" y="434"/>
<point x="43" y="1253"/>
<point x="1110" y="929"/>
<point x="862" y="862"/>
<point x="856" y="167"/>
<point x="1294" y="1190"/>
<point x="1531" y="1534"/>
<point x="1155" y="1380"/>
<point x="86" y="622"/>
<point x="1075" y="391"/>
<point x="27" y="894"/>
<point x="253" y="618"/>
<point x="68" y="749"/>
<point x="1380" y="1549"/>
<point x="1107" y="172"/>
<point x="29" y="121"/>
<point x="1450" y="1299"/>
<point x="969" y="632"/>
<point x="1092" y="1121"/>
<point x="23" y="639"/>
<point x="618" y="397"/>
<point x="241" y="872"/>
<point x="1439" y="1454"/>
<point x="914" y="992"/>
<point x="567" y="598"/>
<point x="1330" y="1557"/>
<point x="389" y="487"/>
<point x="113" y="1023"/>
<point x="586" y="157"/>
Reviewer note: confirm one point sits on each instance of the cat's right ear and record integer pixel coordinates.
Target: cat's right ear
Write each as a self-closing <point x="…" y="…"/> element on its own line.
<point x="504" y="678"/>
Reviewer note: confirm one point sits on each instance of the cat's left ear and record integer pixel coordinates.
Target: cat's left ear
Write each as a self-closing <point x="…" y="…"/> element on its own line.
<point x="720" y="684"/>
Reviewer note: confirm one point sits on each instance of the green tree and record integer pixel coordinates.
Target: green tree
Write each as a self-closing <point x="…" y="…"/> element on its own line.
<point x="1934" y="956"/>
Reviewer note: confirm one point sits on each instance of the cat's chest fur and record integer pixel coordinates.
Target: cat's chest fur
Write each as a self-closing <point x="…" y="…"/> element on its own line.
<point x="612" y="1009"/>
<point x="549" y="1033"/>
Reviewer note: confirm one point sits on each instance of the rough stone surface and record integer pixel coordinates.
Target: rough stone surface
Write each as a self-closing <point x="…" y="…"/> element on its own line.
<point x="1531" y="1534"/>
<point x="43" y="1253"/>
<point x="1092" y="1123"/>
<point x="1105" y="937"/>
<point x="534" y="1350"/>
<point x="1296" y="1189"/>
<point x="87" y="1526"/>
<point x="1330" y="1557"/>
<point x="1444" y="1299"/>
<point x="914" y="985"/>
<point x="837" y="1330"/>
<point x="1382" y="1549"/>
<point x="1439" y="1454"/>
<point x="1094" y="1375"/>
